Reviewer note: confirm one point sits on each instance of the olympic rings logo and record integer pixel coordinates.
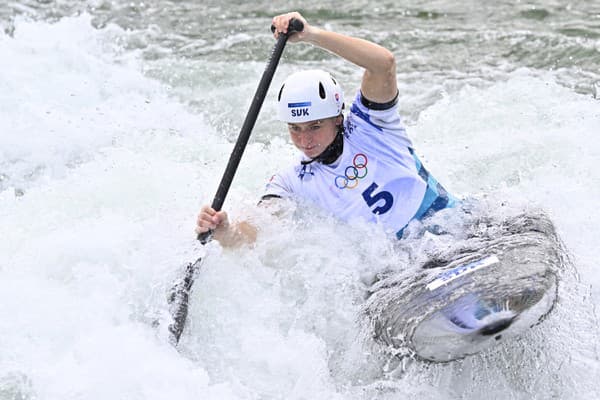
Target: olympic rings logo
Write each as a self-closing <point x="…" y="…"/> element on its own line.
<point x="353" y="173"/>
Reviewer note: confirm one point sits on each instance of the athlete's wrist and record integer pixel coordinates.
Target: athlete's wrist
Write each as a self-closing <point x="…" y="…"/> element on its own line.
<point x="314" y="35"/>
<point x="236" y="234"/>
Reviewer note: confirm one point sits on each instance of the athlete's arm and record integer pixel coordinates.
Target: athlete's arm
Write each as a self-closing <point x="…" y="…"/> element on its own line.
<point x="226" y="233"/>
<point x="379" y="79"/>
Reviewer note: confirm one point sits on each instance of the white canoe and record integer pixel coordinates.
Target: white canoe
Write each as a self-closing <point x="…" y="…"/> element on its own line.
<point x="491" y="288"/>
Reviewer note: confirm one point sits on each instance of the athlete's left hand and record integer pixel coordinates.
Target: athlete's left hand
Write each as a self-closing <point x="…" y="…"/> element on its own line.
<point x="281" y="23"/>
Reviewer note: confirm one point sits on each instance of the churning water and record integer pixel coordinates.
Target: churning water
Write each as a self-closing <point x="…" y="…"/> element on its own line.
<point x="117" y="120"/>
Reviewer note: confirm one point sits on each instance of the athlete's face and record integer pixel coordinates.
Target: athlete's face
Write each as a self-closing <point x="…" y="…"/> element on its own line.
<point x="313" y="137"/>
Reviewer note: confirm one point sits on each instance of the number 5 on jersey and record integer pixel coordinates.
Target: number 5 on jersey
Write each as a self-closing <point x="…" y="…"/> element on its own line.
<point x="372" y="199"/>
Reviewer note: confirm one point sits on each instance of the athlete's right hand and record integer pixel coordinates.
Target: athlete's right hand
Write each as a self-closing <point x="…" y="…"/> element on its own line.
<point x="210" y="219"/>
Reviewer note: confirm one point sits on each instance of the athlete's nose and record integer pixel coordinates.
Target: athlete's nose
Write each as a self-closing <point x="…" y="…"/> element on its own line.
<point x="305" y="139"/>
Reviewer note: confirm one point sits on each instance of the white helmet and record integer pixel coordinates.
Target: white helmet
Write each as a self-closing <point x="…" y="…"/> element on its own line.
<point x="309" y="96"/>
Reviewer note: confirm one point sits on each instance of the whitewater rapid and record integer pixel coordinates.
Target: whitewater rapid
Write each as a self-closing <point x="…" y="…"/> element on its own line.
<point x="103" y="167"/>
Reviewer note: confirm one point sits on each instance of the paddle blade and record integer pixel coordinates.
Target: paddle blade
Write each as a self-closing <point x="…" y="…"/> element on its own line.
<point x="179" y="300"/>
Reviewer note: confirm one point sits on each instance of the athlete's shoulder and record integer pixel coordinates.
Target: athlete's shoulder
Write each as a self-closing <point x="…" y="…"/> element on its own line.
<point x="372" y="119"/>
<point x="289" y="180"/>
<point x="378" y="115"/>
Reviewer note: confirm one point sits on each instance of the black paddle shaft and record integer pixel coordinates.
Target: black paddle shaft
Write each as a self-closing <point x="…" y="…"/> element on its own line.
<point x="242" y="140"/>
<point x="180" y="292"/>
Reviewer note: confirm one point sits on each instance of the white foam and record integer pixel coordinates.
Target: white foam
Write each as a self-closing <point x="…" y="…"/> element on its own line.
<point x="63" y="99"/>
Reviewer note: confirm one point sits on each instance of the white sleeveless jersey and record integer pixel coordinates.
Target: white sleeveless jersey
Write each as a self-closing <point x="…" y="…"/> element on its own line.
<point x="375" y="179"/>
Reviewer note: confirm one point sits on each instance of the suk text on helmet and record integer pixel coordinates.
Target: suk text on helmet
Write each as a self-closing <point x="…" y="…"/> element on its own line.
<point x="309" y="96"/>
